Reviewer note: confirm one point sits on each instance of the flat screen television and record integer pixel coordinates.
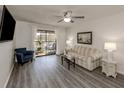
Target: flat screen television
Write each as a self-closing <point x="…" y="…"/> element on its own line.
<point x="7" y="25"/>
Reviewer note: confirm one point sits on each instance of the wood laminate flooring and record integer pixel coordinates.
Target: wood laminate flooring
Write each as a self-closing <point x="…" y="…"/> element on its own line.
<point x="47" y="72"/>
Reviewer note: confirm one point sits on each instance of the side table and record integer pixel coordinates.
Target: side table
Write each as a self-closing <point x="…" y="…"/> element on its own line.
<point x="109" y="68"/>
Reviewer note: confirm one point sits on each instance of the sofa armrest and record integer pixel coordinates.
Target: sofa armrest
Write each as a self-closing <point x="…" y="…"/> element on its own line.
<point x="67" y="50"/>
<point x="19" y="54"/>
<point x="96" y="56"/>
<point x="70" y="49"/>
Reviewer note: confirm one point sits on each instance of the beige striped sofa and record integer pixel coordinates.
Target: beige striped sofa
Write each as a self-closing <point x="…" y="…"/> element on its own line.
<point x="85" y="56"/>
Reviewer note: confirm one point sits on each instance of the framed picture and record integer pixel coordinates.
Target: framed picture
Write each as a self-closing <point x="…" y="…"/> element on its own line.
<point x="84" y="37"/>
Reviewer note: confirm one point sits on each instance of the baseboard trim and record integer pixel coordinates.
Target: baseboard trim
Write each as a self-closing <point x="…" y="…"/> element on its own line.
<point x="7" y="80"/>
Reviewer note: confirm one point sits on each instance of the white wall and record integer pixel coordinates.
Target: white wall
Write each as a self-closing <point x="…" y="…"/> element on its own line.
<point x="25" y="31"/>
<point x="61" y="38"/>
<point x="23" y="35"/>
<point x="6" y="61"/>
<point x="110" y="28"/>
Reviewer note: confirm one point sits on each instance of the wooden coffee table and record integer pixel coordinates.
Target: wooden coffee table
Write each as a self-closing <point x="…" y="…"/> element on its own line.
<point x="69" y="60"/>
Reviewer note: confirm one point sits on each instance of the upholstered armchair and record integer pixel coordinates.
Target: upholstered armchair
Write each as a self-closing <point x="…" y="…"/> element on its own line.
<point x="23" y="55"/>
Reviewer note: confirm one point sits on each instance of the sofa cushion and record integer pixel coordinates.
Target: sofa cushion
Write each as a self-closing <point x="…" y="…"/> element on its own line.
<point x="79" y="50"/>
<point x="28" y="57"/>
<point x="82" y="51"/>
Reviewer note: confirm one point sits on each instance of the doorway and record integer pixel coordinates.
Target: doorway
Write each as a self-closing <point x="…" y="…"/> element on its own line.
<point x="45" y="43"/>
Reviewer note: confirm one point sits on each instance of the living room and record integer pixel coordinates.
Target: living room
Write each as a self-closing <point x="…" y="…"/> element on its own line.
<point x="102" y="25"/>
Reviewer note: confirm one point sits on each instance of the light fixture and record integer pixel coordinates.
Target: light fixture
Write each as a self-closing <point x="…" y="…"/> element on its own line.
<point x="67" y="19"/>
<point x="110" y="47"/>
<point x="68" y="42"/>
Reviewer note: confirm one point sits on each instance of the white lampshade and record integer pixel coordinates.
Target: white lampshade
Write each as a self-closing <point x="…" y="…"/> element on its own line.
<point x="68" y="42"/>
<point x="67" y="19"/>
<point x="110" y="46"/>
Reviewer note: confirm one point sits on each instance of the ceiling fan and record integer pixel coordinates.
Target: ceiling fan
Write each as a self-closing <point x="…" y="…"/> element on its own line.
<point x="68" y="17"/>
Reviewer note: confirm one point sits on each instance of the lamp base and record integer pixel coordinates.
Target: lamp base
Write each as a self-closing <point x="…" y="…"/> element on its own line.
<point x="110" y="56"/>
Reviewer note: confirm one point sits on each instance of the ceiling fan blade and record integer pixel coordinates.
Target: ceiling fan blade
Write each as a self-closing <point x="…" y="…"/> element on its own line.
<point x="60" y="20"/>
<point x="72" y="21"/>
<point x="78" y="17"/>
<point x="58" y="16"/>
<point x="65" y="13"/>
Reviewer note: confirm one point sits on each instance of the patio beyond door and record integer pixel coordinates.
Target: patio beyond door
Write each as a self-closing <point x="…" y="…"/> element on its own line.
<point x="45" y="43"/>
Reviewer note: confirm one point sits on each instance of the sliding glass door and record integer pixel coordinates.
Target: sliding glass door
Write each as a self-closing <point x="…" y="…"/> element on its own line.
<point x="45" y="43"/>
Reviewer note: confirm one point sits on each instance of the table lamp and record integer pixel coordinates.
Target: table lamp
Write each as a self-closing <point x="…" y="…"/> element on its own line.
<point x="69" y="43"/>
<point x="110" y="47"/>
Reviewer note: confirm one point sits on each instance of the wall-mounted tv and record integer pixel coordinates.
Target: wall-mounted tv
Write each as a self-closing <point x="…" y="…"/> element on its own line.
<point x="7" y="25"/>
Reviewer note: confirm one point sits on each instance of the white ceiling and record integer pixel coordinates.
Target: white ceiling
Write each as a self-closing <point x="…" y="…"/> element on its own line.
<point x="46" y="13"/>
